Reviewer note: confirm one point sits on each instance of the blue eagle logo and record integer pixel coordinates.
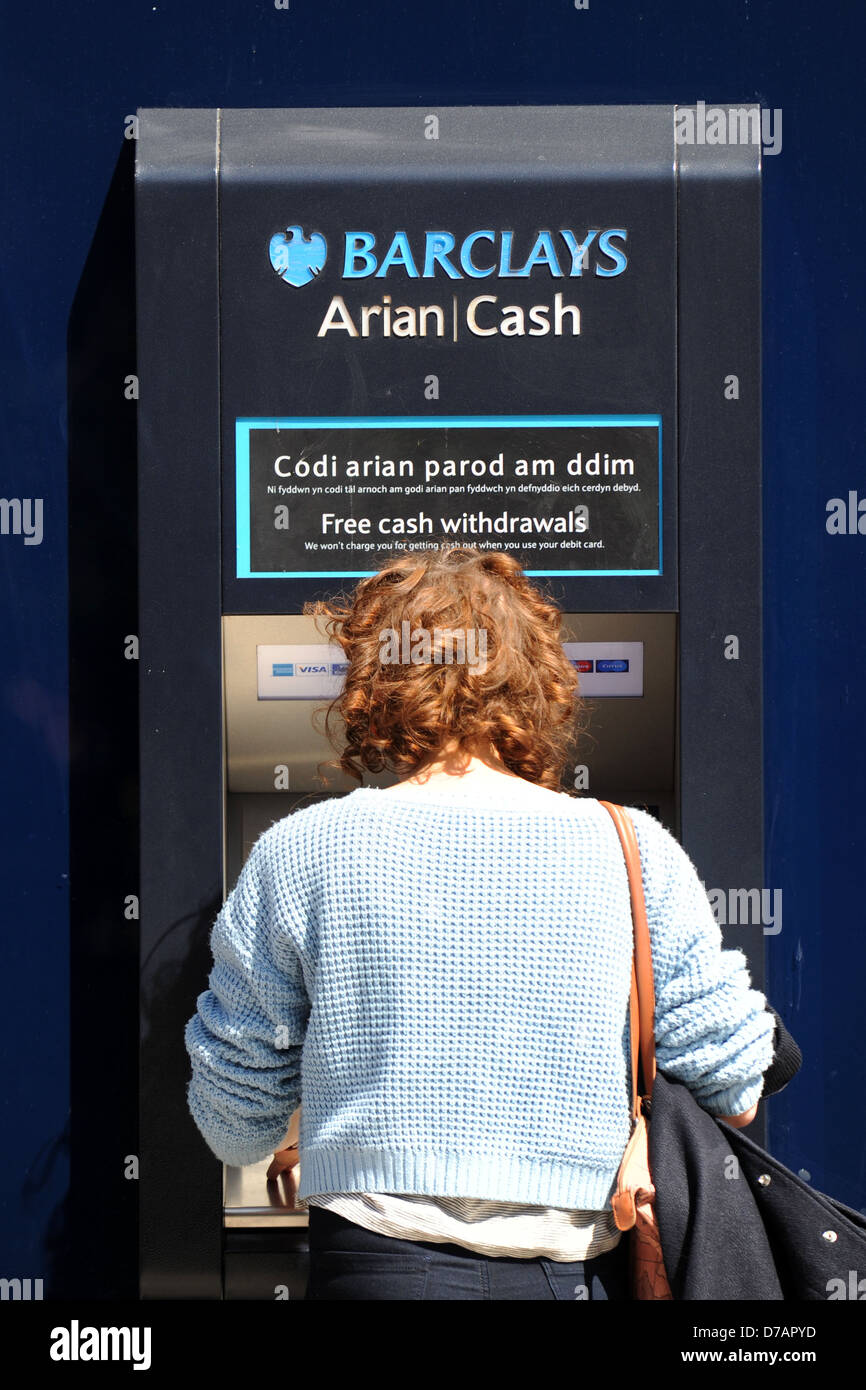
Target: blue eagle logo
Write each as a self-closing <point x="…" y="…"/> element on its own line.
<point x="296" y="258"/>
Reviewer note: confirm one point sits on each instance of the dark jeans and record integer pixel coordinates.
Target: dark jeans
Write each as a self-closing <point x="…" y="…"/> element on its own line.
<point x="349" y="1262"/>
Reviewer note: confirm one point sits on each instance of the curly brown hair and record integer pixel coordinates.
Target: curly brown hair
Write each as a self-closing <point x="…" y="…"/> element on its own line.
<point x="398" y="714"/>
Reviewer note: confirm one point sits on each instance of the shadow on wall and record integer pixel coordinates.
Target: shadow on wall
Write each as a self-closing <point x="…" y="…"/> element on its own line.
<point x="91" y="1247"/>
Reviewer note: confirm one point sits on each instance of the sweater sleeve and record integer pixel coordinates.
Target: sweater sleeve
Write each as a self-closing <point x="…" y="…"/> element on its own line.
<point x="245" y="1039"/>
<point x="713" y="1030"/>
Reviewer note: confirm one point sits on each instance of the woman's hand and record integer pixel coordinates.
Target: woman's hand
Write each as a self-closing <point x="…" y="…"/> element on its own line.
<point x="286" y="1155"/>
<point x="740" y="1121"/>
<point x="284" y="1161"/>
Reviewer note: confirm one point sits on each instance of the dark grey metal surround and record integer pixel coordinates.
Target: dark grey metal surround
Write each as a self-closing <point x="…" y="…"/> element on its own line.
<point x="703" y="290"/>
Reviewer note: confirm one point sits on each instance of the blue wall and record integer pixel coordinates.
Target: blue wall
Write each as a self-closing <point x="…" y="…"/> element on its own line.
<point x="71" y="75"/>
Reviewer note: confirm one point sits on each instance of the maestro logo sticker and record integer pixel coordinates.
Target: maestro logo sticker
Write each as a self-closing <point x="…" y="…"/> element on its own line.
<point x="297" y="259"/>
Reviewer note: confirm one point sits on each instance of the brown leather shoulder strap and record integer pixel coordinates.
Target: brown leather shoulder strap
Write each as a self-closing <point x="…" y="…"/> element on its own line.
<point x="642" y="999"/>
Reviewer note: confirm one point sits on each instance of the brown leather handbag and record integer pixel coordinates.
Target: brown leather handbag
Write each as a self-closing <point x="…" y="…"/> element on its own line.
<point x="633" y="1202"/>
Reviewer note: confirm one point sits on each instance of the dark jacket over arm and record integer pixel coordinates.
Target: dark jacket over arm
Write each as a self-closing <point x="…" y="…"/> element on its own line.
<point x="735" y="1224"/>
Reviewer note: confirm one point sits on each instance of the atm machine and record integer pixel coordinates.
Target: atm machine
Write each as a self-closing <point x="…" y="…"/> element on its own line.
<point x="360" y="330"/>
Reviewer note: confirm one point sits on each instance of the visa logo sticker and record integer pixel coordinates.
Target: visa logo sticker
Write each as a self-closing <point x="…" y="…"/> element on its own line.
<point x="300" y="671"/>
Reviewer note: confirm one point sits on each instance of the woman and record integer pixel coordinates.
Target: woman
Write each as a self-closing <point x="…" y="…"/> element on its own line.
<point x="441" y="968"/>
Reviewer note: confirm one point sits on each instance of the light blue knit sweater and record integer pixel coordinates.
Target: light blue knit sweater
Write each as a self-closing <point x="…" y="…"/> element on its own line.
<point x="446" y="987"/>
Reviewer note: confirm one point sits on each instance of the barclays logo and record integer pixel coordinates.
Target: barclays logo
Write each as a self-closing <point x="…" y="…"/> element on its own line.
<point x="297" y="259"/>
<point x="504" y="255"/>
